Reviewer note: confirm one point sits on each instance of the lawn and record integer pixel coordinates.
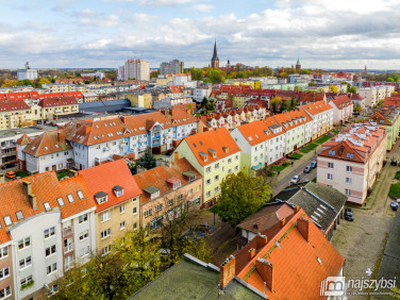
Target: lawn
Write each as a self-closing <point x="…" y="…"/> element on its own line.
<point x="21" y="174"/>
<point x="394" y="191"/>
<point x="295" y="156"/>
<point x="305" y="150"/>
<point x="397" y="176"/>
<point x="311" y="146"/>
<point x="280" y="167"/>
<point x="62" y="174"/>
<point x="323" y="139"/>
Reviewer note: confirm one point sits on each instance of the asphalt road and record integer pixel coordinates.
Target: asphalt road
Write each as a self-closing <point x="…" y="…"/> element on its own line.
<point x="285" y="182"/>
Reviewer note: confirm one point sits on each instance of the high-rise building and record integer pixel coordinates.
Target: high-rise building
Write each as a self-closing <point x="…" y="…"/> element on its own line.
<point x="27" y="73"/>
<point x="215" y="59"/>
<point x="134" y="69"/>
<point x="173" y="67"/>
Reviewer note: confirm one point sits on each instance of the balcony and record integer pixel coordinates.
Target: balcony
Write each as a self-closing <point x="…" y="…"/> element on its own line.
<point x="68" y="248"/>
<point x="106" y="149"/>
<point x="67" y="231"/>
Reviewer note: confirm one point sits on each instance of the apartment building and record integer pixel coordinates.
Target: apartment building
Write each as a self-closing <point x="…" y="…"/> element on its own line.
<point x="352" y="161"/>
<point x="370" y="95"/>
<point x="103" y="139"/>
<point x="170" y="102"/>
<point x="173" y="67"/>
<point x="117" y="199"/>
<point x="322" y="116"/>
<point x="14" y="114"/>
<point x="342" y="109"/>
<point x="47" y="225"/>
<point x="141" y="100"/>
<point x="215" y="155"/>
<point x="53" y="107"/>
<point x="167" y="190"/>
<point x="200" y="93"/>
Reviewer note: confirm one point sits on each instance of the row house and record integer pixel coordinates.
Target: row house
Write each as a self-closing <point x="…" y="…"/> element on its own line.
<point x="168" y="190"/>
<point x="352" y="161"/>
<point x="389" y="118"/>
<point x="322" y="116"/>
<point x="117" y="198"/>
<point x="64" y="87"/>
<point x="342" y="108"/>
<point x="214" y="154"/>
<point x="46" y="226"/>
<point x="50" y="108"/>
<point x="86" y="143"/>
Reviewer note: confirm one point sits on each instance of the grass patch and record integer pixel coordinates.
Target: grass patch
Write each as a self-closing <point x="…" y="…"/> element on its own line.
<point x="305" y="150"/>
<point x="311" y="146"/>
<point x="315" y="180"/>
<point x="323" y="139"/>
<point x="397" y="176"/>
<point x="21" y="174"/>
<point x="62" y="174"/>
<point x="295" y="156"/>
<point x="394" y="191"/>
<point x="280" y="167"/>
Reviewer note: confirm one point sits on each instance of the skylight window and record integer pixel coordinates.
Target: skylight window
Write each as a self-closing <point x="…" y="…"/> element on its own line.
<point x="19" y="215"/>
<point x="70" y="198"/>
<point x="80" y="195"/>
<point x="7" y="220"/>
<point x="60" y="201"/>
<point x="47" y="206"/>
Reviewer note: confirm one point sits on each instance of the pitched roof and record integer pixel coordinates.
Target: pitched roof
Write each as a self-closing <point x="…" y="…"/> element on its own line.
<point x="47" y="188"/>
<point x="159" y="177"/>
<point x="23" y="140"/>
<point x="51" y="102"/>
<point x="47" y="143"/>
<point x="13" y="105"/>
<point x="317" y="107"/>
<point x="298" y="265"/>
<point x="343" y="151"/>
<point x="256" y="132"/>
<point x="104" y="178"/>
<point x="342" y="101"/>
<point x="312" y="97"/>
<point x="218" y="140"/>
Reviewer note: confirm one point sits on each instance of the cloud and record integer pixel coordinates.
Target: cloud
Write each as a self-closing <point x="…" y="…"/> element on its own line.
<point x="162" y="2"/>
<point x="203" y="7"/>
<point x="62" y="4"/>
<point x="89" y="17"/>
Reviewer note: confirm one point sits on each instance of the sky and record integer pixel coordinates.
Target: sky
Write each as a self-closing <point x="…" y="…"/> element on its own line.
<point x="335" y="34"/>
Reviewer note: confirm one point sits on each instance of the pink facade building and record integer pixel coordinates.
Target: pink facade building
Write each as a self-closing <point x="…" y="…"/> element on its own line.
<point x="342" y="109"/>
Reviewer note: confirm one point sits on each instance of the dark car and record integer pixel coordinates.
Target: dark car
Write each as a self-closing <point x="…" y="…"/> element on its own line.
<point x="8" y="166"/>
<point x="394" y="205"/>
<point x="313" y="164"/>
<point x="393" y="162"/>
<point x="307" y="169"/>
<point x="348" y="214"/>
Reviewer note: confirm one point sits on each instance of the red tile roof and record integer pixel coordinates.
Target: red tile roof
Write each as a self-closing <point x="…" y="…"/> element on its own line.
<point x="23" y="140"/>
<point x="13" y="105"/>
<point x="257" y="132"/>
<point x="103" y="178"/>
<point x="317" y="107"/>
<point x="342" y="101"/>
<point x="51" y="102"/>
<point x="47" y="143"/>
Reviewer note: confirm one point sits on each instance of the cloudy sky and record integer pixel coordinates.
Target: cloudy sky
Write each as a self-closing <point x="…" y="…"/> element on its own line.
<point x="104" y="33"/>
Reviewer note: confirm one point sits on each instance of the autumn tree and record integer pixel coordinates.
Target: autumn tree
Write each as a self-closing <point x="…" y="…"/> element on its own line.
<point x="276" y="103"/>
<point x="333" y="89"/>
<point x="241" y="196"/>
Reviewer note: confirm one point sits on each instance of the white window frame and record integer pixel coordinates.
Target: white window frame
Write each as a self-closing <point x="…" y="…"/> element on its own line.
<point x="52" y="268"/>
<point x="104" y="217"/>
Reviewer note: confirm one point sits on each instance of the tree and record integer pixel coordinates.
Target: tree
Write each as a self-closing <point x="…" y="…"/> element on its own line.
<point x="285" y="106"/>
<point x="390" y="79"/>
<point x="333" y="89"/>
<point x="294" y="103"/>
<point x="352" y="90"/>
<point x="276" y="103"/>
<point x="311" y="84"/>
<point x="357" y="109"/>
<point x="147" y="161"/>
<point x="43" y="81"/>
<point x="320" y="90"/>
<point x="204" y="101"/>
<point x="241" y="196"/>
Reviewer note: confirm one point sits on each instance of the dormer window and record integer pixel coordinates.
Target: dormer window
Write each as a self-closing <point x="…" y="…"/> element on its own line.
<point x="189" y="175"/>
<point x="152" y="191"/>
<point x="101" y="197"/>
<point x="212" y="152"/>
<point x="174" y="183"/>
<point x="118" y="191"/>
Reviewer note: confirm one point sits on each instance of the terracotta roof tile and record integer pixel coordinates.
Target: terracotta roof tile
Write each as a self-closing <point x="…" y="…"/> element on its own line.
<point x="47" y="143"/>
<point x="13" y="105"/>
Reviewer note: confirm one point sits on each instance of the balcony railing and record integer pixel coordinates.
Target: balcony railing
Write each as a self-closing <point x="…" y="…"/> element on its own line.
<point x="67" y="231"/>
<point x="69" y="248"/>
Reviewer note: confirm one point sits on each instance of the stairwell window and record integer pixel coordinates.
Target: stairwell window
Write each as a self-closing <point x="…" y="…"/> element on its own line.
<point x="330" y="176"/>
<point x="348" y="180"/>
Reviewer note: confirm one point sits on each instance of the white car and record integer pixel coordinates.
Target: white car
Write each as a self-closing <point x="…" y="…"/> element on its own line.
<point x="295" y="179"/>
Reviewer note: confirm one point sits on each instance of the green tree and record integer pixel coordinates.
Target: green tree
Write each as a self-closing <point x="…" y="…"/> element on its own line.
<point x="43" y="81"/>
<point x="352" y="90"/>
<point x="285" y="106"/>
<point x="294" y="103"/>
<point x="241" y="196"/>
<point x="147" y="161"/>
<point x="204" y="102"/>
<point x="154" y="74"/>
<point x="390" y="79"/>
<point x="276" y="102"/>
<point x="357" y="109"/>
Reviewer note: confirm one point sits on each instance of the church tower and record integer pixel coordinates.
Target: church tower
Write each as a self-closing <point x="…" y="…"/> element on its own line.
<point x="215" y="59"/>
<point x="298" y="66"/>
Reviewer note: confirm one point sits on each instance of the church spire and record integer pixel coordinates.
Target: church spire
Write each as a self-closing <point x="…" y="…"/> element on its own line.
<point x="215" y="59"/>
<point x="215" y="56"/>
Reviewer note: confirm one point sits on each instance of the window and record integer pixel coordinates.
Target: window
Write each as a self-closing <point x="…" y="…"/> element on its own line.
<point x="3" y="252"/>
<point x="106" y="250"/>
<point x="348" y="192"/>
<point x="148" y="213"/>
<point x="4" y="273"/>
<point x="70" y="198"/>
<point x="83" y="218"/>
<point x="134" y="200"/>
<point x="216" y="190"/>
<point x="349" y="169"/>
<point x="330" y="165"/>
<point x="330" y="176"/>
<point x="50" y="250"/>
<point x="348" y="180"/>
<point x="46" y="206"/>
<point x="159" y="207"/>
<point x="216" y="178"/>
<point x="84" y="235"/>
<point x="7" y="220"/>
<point x="236" y="157"/>
<point x="208" y="194"/>
<point x="49" y="232"/>
<point x="208" y="181"/>
<point x="122" y="209"/>
<point x="134" y="210"/>
<point x="122" y="225"/>
<point x="6" y="292"/>
<point x="24" y="243"/>
<point x="26" y="280"/>
<point x="208" y="169"/>
<point x="135" y="226"/>
<point x="190" y="192"/>
<point x="170" y="202"/>
<point x="229" y="160"/>
<point x="84" y="251"/>
<point x="198" y="188"/>
<point x="237" y="168"/>
<point x="19" y="215"/>
<point x="105" y="216"/>
<point x="60" y="201"/>
<point x="52" y="268"/>
<point x="216" y="166"/>
<point x="80" y="195"/>
<point x="25" y="262"/>
<point x="105" y="233"/>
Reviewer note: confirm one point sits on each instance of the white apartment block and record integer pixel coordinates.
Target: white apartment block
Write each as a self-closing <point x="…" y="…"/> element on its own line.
<point x="134" y="69"/>
<point x="173" y="67"/>
<point x="322" y="116"/>
<point x="200" y="93"/>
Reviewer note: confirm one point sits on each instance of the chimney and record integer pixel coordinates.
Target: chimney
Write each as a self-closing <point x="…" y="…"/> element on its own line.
<point x="27" y="187"/>
<point x="87" y="129"/>
<point x="226" y="149"/>
<point x="123" y="119"/>
<point x="59" y="136"/>
<point x="251" y="253"/>
<point x="296" y="208"/>
<point x="282" y="222"/>
<point x="164" y="112"/>
<point x="78" y="125"/>
<point x="227" y="271"/>
<point x="176" y="156"/>
<point x="261" y="240"/>
<point x="72" y="173"/>
<point x="266" y="271"/>
<point x="303" y="226"/>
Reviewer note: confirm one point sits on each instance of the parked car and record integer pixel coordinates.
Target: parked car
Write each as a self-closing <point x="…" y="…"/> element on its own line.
<point x="295" y="179"/>
<point x="11" y="175"/>
<point x="8" y="166"/>
<point x="393" y="162"/>
<point x="313" y="164"/>
<point x="348" y="214"/>
<point x="307" y="169"/>
<point x="394" y="205"/>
